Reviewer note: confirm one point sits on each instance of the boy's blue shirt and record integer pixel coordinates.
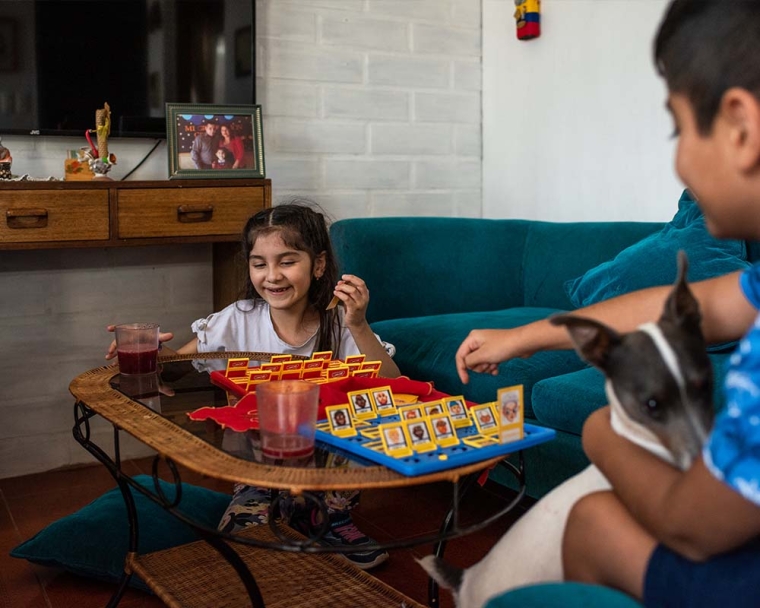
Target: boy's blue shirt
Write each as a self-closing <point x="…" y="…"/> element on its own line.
<point x="732" y="452"/>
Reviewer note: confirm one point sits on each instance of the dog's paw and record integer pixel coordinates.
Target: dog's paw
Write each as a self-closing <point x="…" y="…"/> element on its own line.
<point x="446" y="575"/>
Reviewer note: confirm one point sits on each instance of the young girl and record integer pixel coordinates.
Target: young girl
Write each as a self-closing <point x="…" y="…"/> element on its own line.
<point x="292" y="276"/>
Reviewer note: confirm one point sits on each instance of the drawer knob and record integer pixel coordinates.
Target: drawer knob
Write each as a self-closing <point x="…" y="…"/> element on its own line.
<point x="26" y="218"/>
<point x="198" y="213"/>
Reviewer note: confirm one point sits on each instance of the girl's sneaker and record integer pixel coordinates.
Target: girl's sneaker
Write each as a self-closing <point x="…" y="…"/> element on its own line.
<point x="341" y="533"/>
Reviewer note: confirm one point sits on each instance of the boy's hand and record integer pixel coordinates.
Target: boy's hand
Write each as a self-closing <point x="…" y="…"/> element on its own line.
<point x="111" y="354"/>
<point x="354" y="294"/>
<point x="483" y="350"/>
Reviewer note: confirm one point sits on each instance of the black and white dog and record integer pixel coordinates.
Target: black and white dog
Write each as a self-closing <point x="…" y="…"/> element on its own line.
<point x="659" y="385"/>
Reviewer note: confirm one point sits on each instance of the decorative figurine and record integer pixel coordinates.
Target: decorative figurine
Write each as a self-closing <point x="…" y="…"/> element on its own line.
<point x="99" y="159"/>
<point x="528" y="19"/>
<point x="5" y="162"/>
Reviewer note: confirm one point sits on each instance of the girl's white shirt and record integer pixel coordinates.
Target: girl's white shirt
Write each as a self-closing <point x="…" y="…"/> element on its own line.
<point x="246" y="325"/>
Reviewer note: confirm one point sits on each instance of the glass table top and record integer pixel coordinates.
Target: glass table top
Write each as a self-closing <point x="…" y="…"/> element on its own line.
<point x="181" y="387"/>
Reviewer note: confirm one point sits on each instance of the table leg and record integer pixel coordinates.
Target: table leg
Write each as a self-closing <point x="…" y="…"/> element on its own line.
<point x="451" y="518"/>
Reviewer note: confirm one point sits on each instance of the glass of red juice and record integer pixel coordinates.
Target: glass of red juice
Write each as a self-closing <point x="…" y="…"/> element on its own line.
<point x="137" y="347"/>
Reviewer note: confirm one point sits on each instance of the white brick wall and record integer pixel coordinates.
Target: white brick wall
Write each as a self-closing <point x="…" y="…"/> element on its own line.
<point x="371" y="108"/>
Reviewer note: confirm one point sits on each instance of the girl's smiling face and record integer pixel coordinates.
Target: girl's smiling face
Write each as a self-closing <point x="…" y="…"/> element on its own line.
<point x="280" y="274"/>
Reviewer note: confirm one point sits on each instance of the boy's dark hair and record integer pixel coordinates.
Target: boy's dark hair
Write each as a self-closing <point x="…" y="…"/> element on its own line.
<point x="304" y="227"/>
<point x="705" y="47"/>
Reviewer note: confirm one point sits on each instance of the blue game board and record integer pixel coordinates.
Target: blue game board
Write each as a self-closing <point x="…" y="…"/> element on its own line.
<point x="430" y="462"/>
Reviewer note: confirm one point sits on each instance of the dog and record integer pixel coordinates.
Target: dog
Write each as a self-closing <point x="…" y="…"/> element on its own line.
<point x="658" y="380"/>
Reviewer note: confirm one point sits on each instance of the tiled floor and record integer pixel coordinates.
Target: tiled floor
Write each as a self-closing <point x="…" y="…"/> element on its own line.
<point x="29" y="503"/>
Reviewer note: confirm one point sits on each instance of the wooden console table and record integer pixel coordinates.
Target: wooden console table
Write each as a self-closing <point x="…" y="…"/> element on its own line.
<point x="105" y="213"/>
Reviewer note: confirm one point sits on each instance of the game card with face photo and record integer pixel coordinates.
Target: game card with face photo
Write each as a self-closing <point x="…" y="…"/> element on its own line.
<point x="444" y="431"/>
<point x="432" y="407"/>
<point x="395" y="440"/>
<point x="382" y="396"/>
<point x="361" y="403"/>
<point x="421" y="435"/>
<point x="510" y="406"/>
<point x="409" y="412"/>
<point x="456" y="408"/>
<point x="485" y="418"/>
<point x="341" y="422"/>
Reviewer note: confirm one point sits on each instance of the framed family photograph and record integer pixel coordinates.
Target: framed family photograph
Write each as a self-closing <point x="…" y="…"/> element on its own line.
<point x="214" y="141"/>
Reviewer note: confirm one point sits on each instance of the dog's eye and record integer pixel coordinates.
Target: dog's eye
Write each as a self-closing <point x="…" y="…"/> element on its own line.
<point x="652" y="404"/>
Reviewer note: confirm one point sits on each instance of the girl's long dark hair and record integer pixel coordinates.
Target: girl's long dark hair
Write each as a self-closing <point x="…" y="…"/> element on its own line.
<point x="304" y="227"/>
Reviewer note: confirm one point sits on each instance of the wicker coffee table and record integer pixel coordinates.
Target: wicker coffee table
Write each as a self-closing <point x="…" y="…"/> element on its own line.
<point x="219" y="570"/>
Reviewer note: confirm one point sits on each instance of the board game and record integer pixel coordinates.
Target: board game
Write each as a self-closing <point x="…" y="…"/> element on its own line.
<point x="439" y="459"/>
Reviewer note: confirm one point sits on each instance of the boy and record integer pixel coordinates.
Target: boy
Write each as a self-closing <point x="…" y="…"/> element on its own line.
<point x="673" y="538"/>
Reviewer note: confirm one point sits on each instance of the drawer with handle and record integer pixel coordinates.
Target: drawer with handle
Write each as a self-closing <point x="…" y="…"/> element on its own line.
<point x="186" y="211"/>
<point x="53" y="216"/>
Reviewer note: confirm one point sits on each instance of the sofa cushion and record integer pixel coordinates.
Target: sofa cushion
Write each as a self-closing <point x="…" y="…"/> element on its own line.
<point x="653" y="260"/>
<point x="564" y="402"/>
<point x="425" y="349"/>
<point x="93" y="542"/>
<point x="418" y="256"/>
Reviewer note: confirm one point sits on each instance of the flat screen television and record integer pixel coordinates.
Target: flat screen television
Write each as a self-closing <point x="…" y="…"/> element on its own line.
<point x="60" y="60"/>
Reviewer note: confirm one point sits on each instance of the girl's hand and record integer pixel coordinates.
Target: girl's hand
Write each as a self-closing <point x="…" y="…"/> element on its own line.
<point x="111" y="354"/>
<point x="353" y="292"/>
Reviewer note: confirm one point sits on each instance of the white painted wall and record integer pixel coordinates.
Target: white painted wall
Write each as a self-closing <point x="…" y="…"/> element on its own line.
<point x="371" y="107"/>
<point x="574" y="125"/>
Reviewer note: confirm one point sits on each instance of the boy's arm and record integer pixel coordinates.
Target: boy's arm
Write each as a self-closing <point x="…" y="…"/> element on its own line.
<point x="692" y="512"/>
<point x="726" y="315"/>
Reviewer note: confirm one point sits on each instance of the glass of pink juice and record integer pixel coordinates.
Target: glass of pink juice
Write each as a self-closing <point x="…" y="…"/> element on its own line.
<point x="287" y="417"/>
<point x="137" y="347"/>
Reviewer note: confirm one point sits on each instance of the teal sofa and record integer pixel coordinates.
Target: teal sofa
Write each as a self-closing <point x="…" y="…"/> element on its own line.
<point x="433" y="279"/>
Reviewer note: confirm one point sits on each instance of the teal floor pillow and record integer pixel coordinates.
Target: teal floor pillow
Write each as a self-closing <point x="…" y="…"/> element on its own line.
<point x="93" y="541"/>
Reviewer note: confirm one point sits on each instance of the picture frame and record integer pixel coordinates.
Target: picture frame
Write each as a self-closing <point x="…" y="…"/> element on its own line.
<point x="196" y="150"/>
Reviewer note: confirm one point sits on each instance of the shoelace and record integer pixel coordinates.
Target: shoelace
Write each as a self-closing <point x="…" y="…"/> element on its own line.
<point x="349" y="532"/>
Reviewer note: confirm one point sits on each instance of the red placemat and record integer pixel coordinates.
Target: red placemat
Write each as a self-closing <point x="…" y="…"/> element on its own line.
<point x="243" y="415"/>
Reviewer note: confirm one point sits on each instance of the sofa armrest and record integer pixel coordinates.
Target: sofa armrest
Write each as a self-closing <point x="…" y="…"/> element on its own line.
<point x="419" y="266"/>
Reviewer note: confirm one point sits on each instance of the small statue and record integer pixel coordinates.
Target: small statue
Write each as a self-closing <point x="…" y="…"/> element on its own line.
<point x="99" y="159"/>
<point x="5" y="162"/>
<point x="528" y="19"/>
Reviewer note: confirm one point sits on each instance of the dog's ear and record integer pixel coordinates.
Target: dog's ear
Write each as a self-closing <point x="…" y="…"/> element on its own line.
<point x="593" y="340"/>
<point x="681" y="307"/>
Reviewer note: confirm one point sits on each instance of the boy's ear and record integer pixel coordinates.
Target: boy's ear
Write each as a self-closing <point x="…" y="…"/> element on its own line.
<point x="741" y="111"/>
<point x="319" y="265"/>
